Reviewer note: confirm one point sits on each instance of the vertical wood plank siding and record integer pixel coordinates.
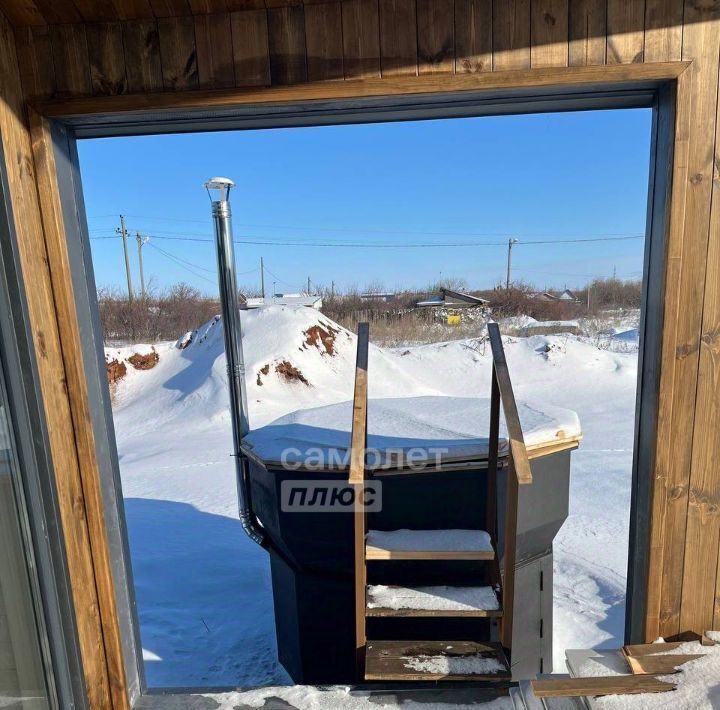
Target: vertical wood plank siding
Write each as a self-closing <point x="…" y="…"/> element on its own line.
<point x="473" y="36"/>
<point x="135" y="46"/>
<point x="42" y="299"/>
<point x="361" y="38"/>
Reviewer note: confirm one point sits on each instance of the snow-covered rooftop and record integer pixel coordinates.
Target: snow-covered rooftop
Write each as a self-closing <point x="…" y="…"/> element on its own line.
<point x="289" y="299"/>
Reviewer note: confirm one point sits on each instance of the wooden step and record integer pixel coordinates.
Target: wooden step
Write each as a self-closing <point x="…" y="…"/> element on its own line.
<point x="435" y="660"/>
<point x="436" y="601"/>
<point x="428" y="545"/>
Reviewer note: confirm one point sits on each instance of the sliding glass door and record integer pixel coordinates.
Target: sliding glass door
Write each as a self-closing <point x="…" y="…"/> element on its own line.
<point x="22" y="673"/>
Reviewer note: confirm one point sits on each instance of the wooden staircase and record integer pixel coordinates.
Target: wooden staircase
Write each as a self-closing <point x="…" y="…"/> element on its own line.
<point x="489" y="597"/>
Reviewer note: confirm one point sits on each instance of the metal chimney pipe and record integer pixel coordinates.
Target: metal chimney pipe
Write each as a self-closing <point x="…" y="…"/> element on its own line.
<point x="219" y="190"/>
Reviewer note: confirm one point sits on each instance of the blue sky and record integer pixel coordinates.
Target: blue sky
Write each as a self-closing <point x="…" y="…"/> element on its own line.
<point x="473" y="182"/>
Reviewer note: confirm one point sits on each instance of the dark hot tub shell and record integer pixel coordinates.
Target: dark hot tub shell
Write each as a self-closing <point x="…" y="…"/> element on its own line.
<point x="312" y="563"/>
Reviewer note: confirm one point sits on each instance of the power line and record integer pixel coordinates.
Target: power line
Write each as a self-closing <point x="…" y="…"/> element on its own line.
<point x="181" y="264"/>
<point x="412" y="245"/>
<point x="188" y="263"/>
<point x="375" y="230"/>
<point x="279" y="280"/>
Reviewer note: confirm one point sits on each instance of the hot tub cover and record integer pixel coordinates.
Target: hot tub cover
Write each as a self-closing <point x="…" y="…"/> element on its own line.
<point x="403" y="431"/>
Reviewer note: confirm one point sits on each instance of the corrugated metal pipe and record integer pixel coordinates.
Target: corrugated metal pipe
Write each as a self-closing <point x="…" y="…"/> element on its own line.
<point x="219" y="190"/>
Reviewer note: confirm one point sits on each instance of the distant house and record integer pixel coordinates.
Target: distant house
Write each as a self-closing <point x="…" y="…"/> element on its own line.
<point x="566" y="295"/>
<point x="378" y="297"/>
<point x="453" y="300"/>
<point x="285" y="299"/>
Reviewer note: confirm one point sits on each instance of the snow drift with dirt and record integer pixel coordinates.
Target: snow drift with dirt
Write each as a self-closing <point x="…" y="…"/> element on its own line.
<point x="203" y="589"/>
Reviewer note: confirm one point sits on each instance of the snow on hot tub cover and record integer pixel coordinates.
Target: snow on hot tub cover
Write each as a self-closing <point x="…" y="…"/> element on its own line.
<point x="401" y="432"/>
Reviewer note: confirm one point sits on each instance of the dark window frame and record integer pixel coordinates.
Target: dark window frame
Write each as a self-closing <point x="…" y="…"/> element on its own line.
<point x="39" y="509"/>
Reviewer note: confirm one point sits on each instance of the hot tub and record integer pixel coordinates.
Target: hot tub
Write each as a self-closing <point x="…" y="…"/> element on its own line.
<point x="430" y="456"/>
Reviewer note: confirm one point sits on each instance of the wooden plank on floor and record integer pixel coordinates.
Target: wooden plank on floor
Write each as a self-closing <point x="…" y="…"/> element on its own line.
<point x="511" y="35"/>
<point x="473" y="36"/>
<point x="398" y="38"/>
<point x="660" y="664"/>
<point x="436" y="36"/>
<point x="361" y="38"/>
<point x="649" y="649"/>
<point x="593" y="687"/>
<point x="587" y="22"/>
<point x="549" y="33"/>
<point x="393" y="660"/>
<point x="251" y="53"/>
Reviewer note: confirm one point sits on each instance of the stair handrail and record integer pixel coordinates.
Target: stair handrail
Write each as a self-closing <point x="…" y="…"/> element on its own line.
<point x="519" y="472"/>
<point x="356" y="478"/>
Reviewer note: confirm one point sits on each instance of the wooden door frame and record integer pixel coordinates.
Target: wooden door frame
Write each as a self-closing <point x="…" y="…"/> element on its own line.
<point x="55" y="127"/>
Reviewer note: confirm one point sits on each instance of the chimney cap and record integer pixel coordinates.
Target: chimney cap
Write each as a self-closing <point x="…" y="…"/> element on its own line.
<point x="222" y="184"/>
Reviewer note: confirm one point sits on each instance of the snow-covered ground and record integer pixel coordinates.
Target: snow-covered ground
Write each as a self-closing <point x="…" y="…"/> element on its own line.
<point x="203" y="589"/>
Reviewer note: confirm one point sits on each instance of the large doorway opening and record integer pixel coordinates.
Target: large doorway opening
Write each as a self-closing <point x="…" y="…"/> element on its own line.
<point x="541" y="216"/>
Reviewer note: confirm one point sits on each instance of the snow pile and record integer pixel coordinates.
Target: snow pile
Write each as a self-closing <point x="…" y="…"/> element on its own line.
<point x="203" y="589"/>
<point x="436" y="598"/>
<point x="696" y="682"/>
<point x="302" y="697"/>
<point x="454" y="665"/>
<point x="429" y="540"/>
<point x="409" y="429"/>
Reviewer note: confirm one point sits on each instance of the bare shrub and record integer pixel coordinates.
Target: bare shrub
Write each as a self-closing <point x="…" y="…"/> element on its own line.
<point x="158" y="316"/>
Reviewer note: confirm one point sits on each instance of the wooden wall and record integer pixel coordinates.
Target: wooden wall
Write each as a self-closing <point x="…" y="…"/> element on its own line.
<point x="59" y="359"/>
<point x="360" y="39"/>
<point x="348" y="40"/>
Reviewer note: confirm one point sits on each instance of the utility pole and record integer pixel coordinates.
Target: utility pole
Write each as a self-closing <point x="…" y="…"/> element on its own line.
<point x="308" y="287"/>
<point x="262" y="278"/>
<point x="123" y="233"/>
<point x="332" y="289"/>
<point x="141" y="241"/>
<point x="509" y="262"/>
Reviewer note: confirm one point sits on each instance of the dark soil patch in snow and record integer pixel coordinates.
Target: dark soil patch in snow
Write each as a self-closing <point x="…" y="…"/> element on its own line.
<point x="290" y="372"/>
<point x="144" y="362"/>
<point x="186" y="340"/>
<point x="116" y="370"/>
<point x="263" y="371"/>
<point x="321" y="338"/>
